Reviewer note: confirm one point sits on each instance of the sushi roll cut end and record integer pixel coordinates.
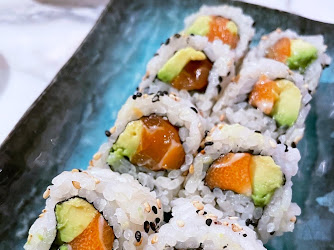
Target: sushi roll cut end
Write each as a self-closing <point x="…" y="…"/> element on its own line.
<point x="188" y="69"/>
<point x="81" y="226"/>
<point x="251" y="175"/>
<point x="295" y="53"/>
<point x="216" y="27"/>
<point x="280" y="99"/>
<point x="150" y="142"/>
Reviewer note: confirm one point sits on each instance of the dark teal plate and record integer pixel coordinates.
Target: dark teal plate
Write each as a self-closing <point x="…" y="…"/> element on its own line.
<point x="66" y="125"/>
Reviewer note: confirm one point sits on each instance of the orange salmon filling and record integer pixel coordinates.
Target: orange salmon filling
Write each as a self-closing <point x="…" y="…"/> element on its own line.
<point x="98" y="235"/>
<point x="264" y="94"/>
<point x="194" y="76"/>
<point x="160" y="147"/>
<point x="280" y="51"/>
<point x="231" y="172"/>
<point x="219" y="30"/>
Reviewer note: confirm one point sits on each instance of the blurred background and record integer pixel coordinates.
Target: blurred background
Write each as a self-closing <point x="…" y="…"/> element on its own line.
<point x="39" y="36"/>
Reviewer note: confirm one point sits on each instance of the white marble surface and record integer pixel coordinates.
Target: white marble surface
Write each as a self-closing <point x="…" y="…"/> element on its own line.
<point x="39" y="36"/>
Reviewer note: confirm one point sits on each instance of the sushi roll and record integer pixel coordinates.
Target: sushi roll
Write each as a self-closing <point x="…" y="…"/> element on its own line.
<point x="198" y="226"/>
<point x="192" y="67"/>
<point x="247" y="175"/>
<point x="154" y="139"/>
<point x="302" y="54"/>
<point x="225" y="23"/>
<point x="268" y="97"/>
<point x="95" y="209"/>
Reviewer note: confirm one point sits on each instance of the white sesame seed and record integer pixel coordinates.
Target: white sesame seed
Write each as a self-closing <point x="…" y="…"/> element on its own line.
<point x="159" y="203"/>
<point x="293" y="219"/>
<point x="75" y="170"/>
<point x="76" y="184"/>
<point x="97" y="156"/>
<point x="199" y="205"/>
<point x="191" y="169"/>
<point x="180" y="223"/>
<point x="147" y="207"/>
<point x="236" y="227"/>
<point x="46" y="193"/>
<point x="112" y="130"/>
<point x="154" y="239"/>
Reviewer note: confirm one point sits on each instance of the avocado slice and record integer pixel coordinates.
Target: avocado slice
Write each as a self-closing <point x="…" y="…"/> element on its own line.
<point x="200" y="27"/>
<point x="127" y="143"/>
<point x="73" y="216"/>
<point x="64" y="247"/>
<point x="302" y="55"/>
<point x="232" y="27"/>
<point x="176" y="63"/>
<point x="266" y="177"/>
<point x="286" y="108"/>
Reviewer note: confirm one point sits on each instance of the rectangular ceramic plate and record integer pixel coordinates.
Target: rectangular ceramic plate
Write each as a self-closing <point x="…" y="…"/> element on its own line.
<point x="66" y="125"/>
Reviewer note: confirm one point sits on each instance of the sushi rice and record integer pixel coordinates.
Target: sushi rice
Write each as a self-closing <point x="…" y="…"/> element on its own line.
<point x="180" y="113"/>
<point x="235" y="109"/>
<point x="220" y="75"/>
<point x="244" y="23"/>
<point x="198" y="226"/>
<point x="275" y="218"/>
<point x="313" y="71"/>
<point x="118" y="197"/>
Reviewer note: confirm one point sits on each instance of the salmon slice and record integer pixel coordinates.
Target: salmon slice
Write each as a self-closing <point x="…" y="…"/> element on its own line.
<point x="160" y="146"/>
<point x="194" y="76"/>
<point x="280" y="51"/>
<point x="219" y="30"/>
<point x="231" y="172"/>
<point x="264" y="94"/>
<point x="97" y="236"/>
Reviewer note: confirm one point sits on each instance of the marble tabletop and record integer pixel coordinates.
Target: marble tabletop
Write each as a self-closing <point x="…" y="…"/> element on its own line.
<point x="39" y="36"/>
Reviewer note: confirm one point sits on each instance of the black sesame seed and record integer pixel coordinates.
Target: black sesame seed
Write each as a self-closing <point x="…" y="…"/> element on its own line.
<point x="191" y="34"/>
<point x="284" y="180"/>
<point x="245" y="235"/>
<point x="309" y="91"/>
<point x="228" y="74"/>
<point x="204" y="213"/>
<point x="167" y="216"/>
<point x="225" y="247"/>
<point x="272" y="233"/>
<point x="248" y="222"/>
<point x="257" y="131"/>
<point x="138" y="236"/>
<point x="155" y="98"/>
<point x="137" y="88"/>
<point x="208" y="222"/>
<point x="165" y="92"/>
<point x="134" y="97"/>
<point x="156" y="54"/>
<point x="139" y="94"/>
<point x="167" y="41"/>
<point x="220" y="79"/>
<point x="153" y="227"/>
<point x="177" y="35"/>
<point x="206" y="133"/>
<point x="286" y="148"/>
<point x="146" y="226"/>
<point x="293" y="144"/>
<point x="107" y="133"/>
<point x="195" y="110"/>
<point x="197" y="211"/>
<point x="154" y="209"/>
<point x="278" y="141"/>
<point x="219" y="88"/>
<point x="208" y="143"/>
<point x="157" y="220"/>
<point x="80" y="170"/>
